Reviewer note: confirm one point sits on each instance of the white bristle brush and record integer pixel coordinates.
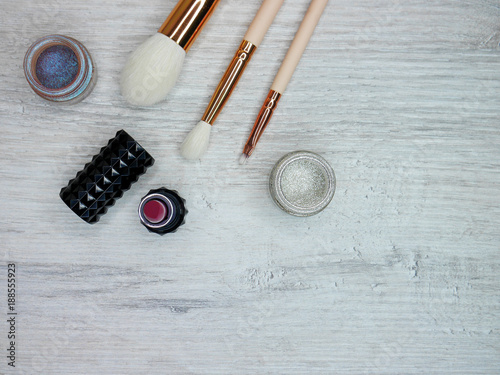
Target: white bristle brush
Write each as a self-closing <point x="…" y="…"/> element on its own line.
<point x="152" y="69"/>
<point x="196" y="142"/>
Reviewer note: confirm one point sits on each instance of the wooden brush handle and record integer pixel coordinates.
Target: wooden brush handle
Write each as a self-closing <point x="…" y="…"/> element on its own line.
<point x="298" y="45"/>
<point x="262" y="21"/>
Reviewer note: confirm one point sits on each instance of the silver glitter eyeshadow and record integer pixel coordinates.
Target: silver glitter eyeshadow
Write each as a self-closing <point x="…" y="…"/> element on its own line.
<point x="302" y="183"/>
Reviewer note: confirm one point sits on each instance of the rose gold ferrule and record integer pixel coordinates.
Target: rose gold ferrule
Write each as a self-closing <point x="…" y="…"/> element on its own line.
<point x="187" y="20"/>
<point x="265" y="114"/>
<point x="229" y="81"/>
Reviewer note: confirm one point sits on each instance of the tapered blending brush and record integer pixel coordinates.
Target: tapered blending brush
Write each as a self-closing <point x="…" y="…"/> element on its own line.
<point x="152" y="69"/>
<point x="284" y="75"/>
<point x="196" y="142"/>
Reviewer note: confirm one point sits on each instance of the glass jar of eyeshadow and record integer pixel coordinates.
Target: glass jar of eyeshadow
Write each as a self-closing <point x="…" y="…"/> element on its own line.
<point x="60" y="69"/>
<point x="302" y="183"/>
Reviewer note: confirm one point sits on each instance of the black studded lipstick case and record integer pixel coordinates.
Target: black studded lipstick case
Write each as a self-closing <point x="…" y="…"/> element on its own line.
<point x="110" y="173"/>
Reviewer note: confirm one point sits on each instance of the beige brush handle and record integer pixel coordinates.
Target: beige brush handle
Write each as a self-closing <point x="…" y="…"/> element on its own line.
<point x="262" y="21"/>
<point x="298" y="45"/>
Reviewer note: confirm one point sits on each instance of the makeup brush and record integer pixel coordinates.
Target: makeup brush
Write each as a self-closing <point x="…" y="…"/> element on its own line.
<point x="196" y="142"/>
<point x="284" y="75"/>
<point x="152" y="69"/>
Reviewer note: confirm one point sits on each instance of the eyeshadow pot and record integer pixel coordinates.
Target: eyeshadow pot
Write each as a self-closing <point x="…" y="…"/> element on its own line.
<point x="302" y="183"/>
<point x="60" y="69"/>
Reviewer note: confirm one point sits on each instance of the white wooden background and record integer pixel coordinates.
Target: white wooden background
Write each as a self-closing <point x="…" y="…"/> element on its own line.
<point x="398" y="276"/>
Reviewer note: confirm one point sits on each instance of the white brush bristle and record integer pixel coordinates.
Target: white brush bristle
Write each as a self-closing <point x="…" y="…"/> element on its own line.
<point x="243" y="159"/>
<point x="196" y="142"/>
<point x="152" y="70"/>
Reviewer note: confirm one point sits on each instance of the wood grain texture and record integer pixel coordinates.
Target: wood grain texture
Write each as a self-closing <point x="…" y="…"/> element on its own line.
<point x="398" y="276"/>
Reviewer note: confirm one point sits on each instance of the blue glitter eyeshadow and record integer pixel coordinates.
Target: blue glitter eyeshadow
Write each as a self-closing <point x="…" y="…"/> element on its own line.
<point x="60" y="69"/>
<point x="57" y="67"/>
